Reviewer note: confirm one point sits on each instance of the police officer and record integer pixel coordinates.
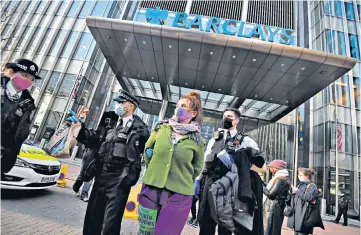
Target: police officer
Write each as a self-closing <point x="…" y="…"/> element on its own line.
<point x="216" y="167"/>
<point x="119" y="154"/>
<point x="17" y="106"/>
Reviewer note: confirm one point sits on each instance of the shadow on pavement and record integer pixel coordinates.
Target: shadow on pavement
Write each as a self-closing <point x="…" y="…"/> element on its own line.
<point x="23" y="194"/>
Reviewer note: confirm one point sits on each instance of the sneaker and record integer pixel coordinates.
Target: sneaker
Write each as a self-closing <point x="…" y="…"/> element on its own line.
<point x="77" y="194"/>
<point x="86" y="199"/>
<point x="344" y="224"/>
<point x="195" y="224"/>
<point x="191" y="221"/>
<point x="335" y="221"/>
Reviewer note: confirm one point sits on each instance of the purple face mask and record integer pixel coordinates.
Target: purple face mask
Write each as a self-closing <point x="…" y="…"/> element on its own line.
<point x="21" y="84"/>
<point x="182" y="114"/>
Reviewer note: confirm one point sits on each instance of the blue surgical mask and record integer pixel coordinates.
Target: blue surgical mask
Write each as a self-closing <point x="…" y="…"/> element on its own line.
<point x="119" y="109"/>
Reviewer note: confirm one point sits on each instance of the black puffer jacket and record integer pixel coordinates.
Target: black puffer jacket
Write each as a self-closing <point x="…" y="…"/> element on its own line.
<point x="274" y="206"/>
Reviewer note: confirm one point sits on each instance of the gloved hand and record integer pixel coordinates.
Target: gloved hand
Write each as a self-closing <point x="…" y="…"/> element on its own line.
<point x="149" y="152"/>
<point x="225" y="158"/>
<point x="73" y="118"/>
<point x="197" y="188"/>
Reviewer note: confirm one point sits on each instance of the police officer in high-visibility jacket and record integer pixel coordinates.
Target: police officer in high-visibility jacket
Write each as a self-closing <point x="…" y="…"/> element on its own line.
<point x="119" y="154"/>
<point x="17" y="106"/>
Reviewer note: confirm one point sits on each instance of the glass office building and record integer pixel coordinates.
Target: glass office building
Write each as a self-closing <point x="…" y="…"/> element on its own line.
<point x="323" y="133"/>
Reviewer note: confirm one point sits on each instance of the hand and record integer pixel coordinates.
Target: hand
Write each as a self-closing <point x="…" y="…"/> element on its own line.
<point x="294" y="189"/>
<point x="197" y="188"/>
<point x="225" y="158"/>
<point x="149" y="152"/>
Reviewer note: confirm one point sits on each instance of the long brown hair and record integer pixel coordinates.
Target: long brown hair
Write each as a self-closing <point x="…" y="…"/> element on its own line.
<point x="195" y="101"/>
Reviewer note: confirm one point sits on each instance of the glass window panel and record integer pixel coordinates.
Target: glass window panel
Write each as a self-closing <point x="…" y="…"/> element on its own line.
<point x="341" y="43"/>
<point x="85" y="10"/>
<point x="145" y="84"/>
<point x="349" y="11"/>
<point x="46" y="41"/>
<point x="343" y="91"/>
<point x="40" y="7"/>
<point x="70" y="44"/>
<point x="51" y="8"/>
<point x="35" y="39"/>
<point x="214" y="96"/>
<point x="359" y="11"/>
<point x="91" y="49"/>
<point x="357" y="91"/>
<point x="74" y="8"/>
<point x="24" y="38"/>
<point x="67" y="85"/>
<point x="83" y="46"/>
<point x="227" y="99"/>
<point x="259" y="105"/>
<point x="13" y="38"/>
<point x="57" y="43"/>
<point x="174" y="89"/>
<point x="35" y="90"/>
<point x="5" y="32"/>
<point x="31" y="6"/>
<point x="61" y="9"/>
<point x="108" y="9"/>
<point x="354" y="46"/>
<point x="338" y="8"/>
<point x="330" y="36"/>
<point x="99" y="8"/>
<point x="52" y="82"/>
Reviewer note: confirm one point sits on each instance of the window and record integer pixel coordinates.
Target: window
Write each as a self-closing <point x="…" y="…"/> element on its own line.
<point x="52" y="83"/>
<point x="61" y="9"/>
<point x="330" y="36"/>
<point x="110" y="8"/>
<point x="99" y="8"/>
<point x="24" y="37"/>
<point x="349" y="11"/>
<point x="354" y="46"/>
<point x="12" y="39"/>
<point x="74" y="8"/>
<point x="85" y="10"/>
<point x="83" y="46"/>
<point x="5" y="32"/>
<point x="359" y="11"/>
<point x="57" y="43"/>
<point x="67" y="85"/>
<point x="46" y="40"/>
<point x="338" y="9"/>
<point x="51" y="8"/>
<point x="328" y="8"/>
<point x="357" y="91"/>
<point x="342" y="91"/>
<point x="341" y="43"/>
<point x="69" y="44"/>
<point x="31" y="6"/>
<point x="35" y="90"/>
<point x="41" y="7"/>
<point x="35" y="39"/>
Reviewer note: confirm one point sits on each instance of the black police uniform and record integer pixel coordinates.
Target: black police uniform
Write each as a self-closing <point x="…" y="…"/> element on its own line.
<point x="120" y="159"/>
<point x="214" y="170"/>
<point x="15" y="115"/>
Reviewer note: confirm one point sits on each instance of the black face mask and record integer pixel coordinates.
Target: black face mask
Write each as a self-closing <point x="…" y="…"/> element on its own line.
<point x="227" y="123"/>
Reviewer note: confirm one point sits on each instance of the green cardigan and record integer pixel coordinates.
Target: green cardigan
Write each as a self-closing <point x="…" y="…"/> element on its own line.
<point x="173" y="167"/>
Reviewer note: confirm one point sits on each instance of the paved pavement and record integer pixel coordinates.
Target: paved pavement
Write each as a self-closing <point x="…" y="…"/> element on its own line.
<point x="58" y="211"/>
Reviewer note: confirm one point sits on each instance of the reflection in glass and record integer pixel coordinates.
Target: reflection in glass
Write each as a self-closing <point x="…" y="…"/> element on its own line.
<point x="30" y="6"/>
<point x="35" y="39"/>
<point x="46" y="40"/>
<point x="83" y="46"/>
<point x="85" y="10"/>
<point x="61" y="9"/>
<point x="349" y="10"/>
<point x="41" y="7"/>
<point x="99" y="8"/>
<point x="57" y="43"/>
<point x="74" y="8"/>
<point x="341" y="43"/>
<point x="69" y="44"/>
<point x="24" y="38"/>
<point x="338" y="8"/>
<point x="357" y="91"/>
<point x="66" y="85"/>
<point x="354" y="46"/>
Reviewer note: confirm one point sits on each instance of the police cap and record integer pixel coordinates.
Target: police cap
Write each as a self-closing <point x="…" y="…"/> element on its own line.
<point x="24" y="65"/>
<point x="126" y="96"/>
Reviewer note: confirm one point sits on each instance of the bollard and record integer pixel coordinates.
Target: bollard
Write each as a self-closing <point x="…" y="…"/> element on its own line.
<point x="61" y="182"/>
<point x="323" y="207"/>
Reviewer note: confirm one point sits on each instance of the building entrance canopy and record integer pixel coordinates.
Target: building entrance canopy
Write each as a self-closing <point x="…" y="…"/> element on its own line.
<point x="264" y="80"/>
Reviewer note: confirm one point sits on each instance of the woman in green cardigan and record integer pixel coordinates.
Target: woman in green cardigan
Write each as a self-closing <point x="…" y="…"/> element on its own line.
<point x="174" y="158"/>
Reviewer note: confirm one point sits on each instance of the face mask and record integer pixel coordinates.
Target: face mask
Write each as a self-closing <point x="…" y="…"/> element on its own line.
<point x="227" y="123"/>
<point x="303" y="179"/>
<point x="21" y="84"/>
<point x="182" y="114"/>
<point x="119" y="109"/>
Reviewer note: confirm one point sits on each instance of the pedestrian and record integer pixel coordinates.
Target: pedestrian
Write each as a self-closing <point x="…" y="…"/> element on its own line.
<point x="305" y="194"/>
<point x="275" y="197"/>
<point x="215" y="168"/>
<point x="193" y="221"/>
<point x="174" y="157"/>
<point x="17" y="107"/>
<point x="119" y="154"/>
<point x="343" y="205"/>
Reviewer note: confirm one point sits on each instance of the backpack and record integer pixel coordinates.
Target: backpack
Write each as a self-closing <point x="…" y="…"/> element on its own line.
<point x="225" y="207"/>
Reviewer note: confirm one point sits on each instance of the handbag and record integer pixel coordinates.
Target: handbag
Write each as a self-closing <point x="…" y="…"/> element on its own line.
<point x="290" y="205"/>
<point x="312" y="217"/>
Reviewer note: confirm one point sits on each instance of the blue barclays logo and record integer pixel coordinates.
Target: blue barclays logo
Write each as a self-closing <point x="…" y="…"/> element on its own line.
<point x="156" y="16"/>
<point x="227" y="27"/>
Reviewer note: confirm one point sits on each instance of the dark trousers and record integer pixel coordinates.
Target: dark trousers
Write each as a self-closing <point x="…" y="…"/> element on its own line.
<point x="208" y="226"/>
<point x="106" y="206"/>
<point x="340" y="213"/>
<point x="194" y="208"/>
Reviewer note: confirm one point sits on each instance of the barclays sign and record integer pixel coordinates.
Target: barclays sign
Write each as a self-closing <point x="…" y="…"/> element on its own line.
<point x="217" y="25"/>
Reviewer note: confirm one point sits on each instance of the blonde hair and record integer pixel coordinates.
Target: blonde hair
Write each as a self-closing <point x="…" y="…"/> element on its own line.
<point x="195" y="100"/>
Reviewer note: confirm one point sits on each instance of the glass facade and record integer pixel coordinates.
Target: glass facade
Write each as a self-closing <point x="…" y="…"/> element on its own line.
<point x="55" y="36"/>
<point x="335" y="111"/>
